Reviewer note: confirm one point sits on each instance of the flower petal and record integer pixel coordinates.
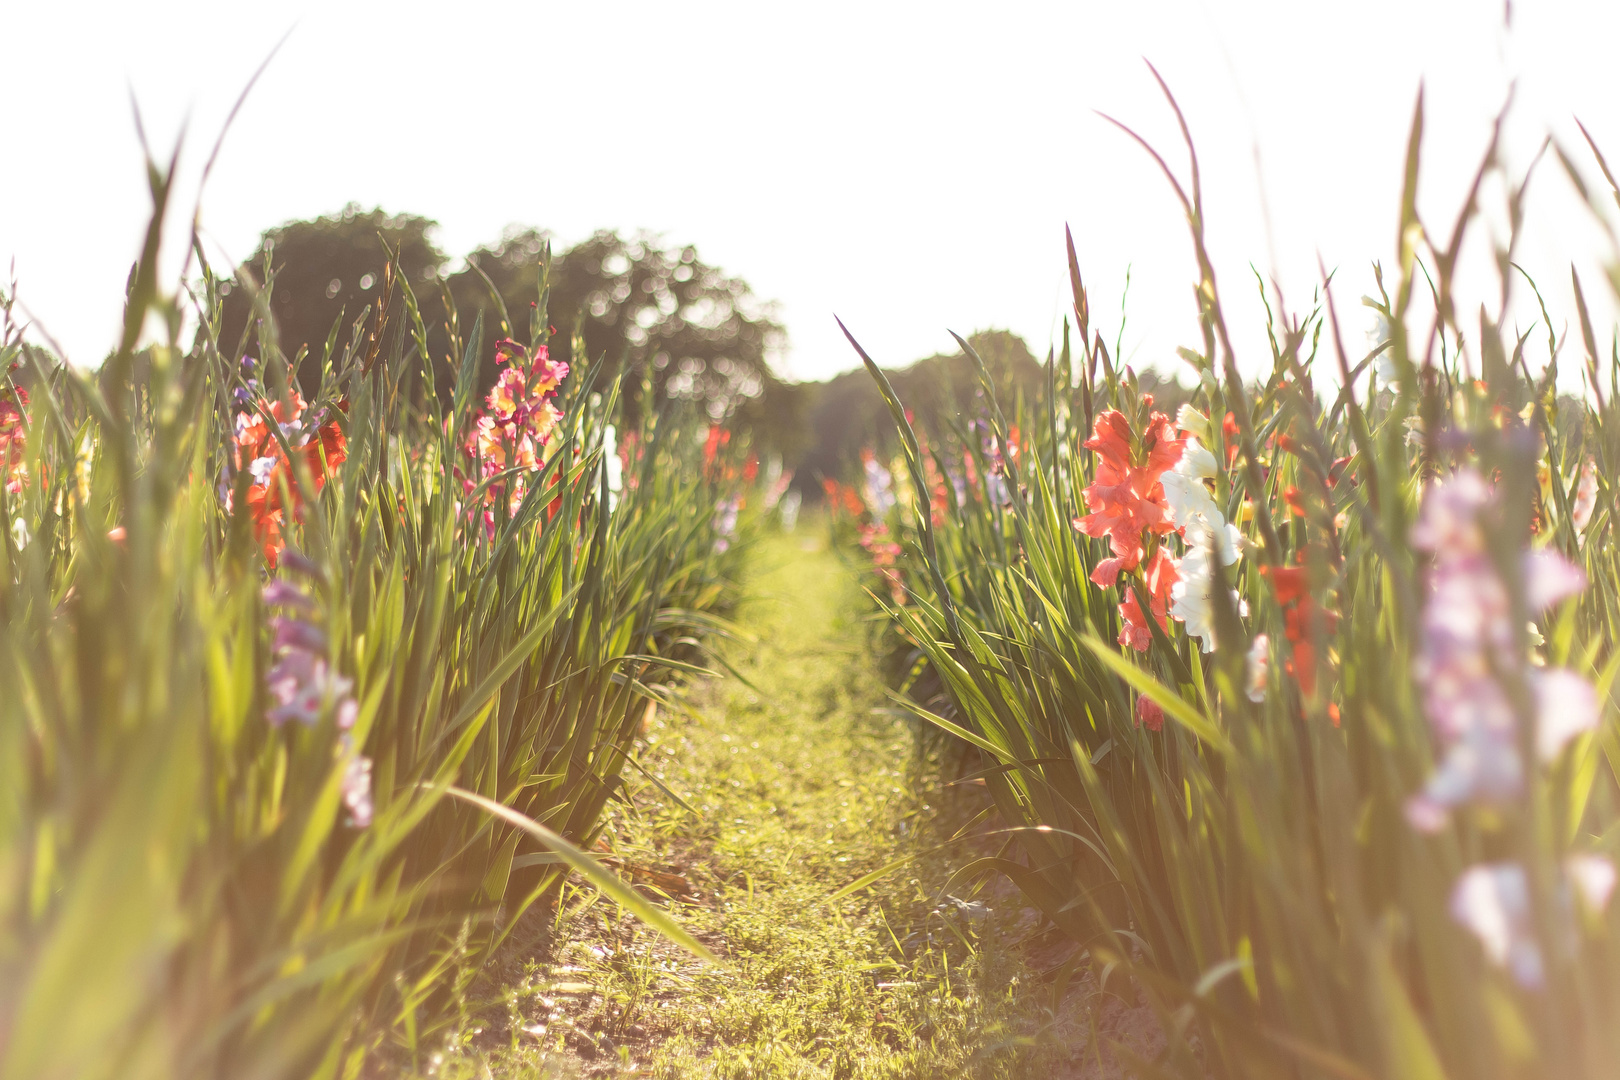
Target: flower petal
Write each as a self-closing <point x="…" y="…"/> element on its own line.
<point x="1549" y="578"/>
<point x="1566" y="706"/>
<point x="1493" y="901"/>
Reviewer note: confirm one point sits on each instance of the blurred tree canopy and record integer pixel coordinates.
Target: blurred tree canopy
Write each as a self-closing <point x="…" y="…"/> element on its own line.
<point x="327" y="269"/>
<point x="847" y="413"/>
<point x="655" y="312"/>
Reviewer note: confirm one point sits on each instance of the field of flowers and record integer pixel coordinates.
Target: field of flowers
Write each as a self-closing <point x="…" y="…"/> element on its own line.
<point x="1295" y="697"/>
<point x="311" y="691"/>
<point x="1291" y="700"/>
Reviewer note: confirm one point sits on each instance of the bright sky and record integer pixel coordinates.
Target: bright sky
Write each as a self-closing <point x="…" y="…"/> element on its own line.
<point x="909" y="167"/>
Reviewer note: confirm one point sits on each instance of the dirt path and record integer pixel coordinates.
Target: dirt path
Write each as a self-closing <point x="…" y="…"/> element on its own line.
<point x="792" y="786"/>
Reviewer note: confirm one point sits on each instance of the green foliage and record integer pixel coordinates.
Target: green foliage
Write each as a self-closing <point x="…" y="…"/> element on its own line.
<point x="187" y="890"/>
<point x="787" y="783"/>
<point x="1250" y="864"/>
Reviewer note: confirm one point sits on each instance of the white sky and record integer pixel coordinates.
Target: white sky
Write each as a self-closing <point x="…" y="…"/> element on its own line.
<point x="907" y="166"/>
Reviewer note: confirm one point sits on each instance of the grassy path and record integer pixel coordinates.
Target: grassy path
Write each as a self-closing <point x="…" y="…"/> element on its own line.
<point x="792" y="788"/>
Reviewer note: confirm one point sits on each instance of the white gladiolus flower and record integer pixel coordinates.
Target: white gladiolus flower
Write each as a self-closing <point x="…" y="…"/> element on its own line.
<point x="1190" y="597"/>
<point x="1196" y="460"/>
<point x="1258" y="667"/>
<point x="1193" y="508"/>
<point x="1193" y="422"/>
<point x="1493" y="901"/>
<point x="1205" y="530"/>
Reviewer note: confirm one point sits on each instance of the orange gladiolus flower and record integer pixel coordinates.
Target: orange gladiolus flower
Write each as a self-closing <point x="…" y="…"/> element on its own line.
<point x="1128" y="506"/>
<point x="320" y="447"/>
<point x="1126" y="499"/>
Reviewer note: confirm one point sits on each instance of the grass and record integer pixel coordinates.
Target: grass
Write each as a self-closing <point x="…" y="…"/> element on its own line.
<point x="796" y="787"/>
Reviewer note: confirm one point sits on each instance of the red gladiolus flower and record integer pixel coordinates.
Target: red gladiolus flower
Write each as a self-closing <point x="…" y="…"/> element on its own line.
<point x="1159" y="575"/>
<point x="321" y="447"/>
<point x="1300" y="611"/>
<point x="1149" y="713"/>
<point x="718" y="438"/>
<point x="1229" y="427"/>
<point x="885" y="558"/>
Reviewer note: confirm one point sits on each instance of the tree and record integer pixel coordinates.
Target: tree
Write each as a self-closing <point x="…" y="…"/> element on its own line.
<point x="642" y="307"/>
<point x="327" y="269"/>
<point x="847" y="413"/>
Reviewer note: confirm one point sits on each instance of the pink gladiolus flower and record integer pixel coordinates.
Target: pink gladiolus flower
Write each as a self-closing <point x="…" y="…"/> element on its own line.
<point x="725" y="523"/>
<point x="1566" y="706"/>
<point x="356" y="785"/>
<point x="1586" y="493"/>
<point x="1549" y="578"/>
<point x="1593" y="877"/>
<point x="1492" y="900"/>
<point x="518" y="420"/>
<point x="1468" y="641"/>
<point x="1258" y="667"/>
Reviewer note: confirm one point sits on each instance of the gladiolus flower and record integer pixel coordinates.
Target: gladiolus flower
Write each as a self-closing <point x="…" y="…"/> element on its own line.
<point x="716" y="439"/>
<point x="885" y="558"/>
<point x="13" y="437"/>
<point x="1203" y="527"/>
<point x="725" y="523"/>
<point x="1492" y="900"/>
<point x="302" y="685"/>
<point x="1231" y="431"/>
<point x="1160" y="576"/>
<point x="1468" y="642"/>
<point x="1257" y="667"/>
<point x="356" y="785"/>
<point x="518" y="420"/>
<point x="1128" y="505"/>
<point x="1585" y="497"/>
<point x="1300" y="612"/>
<point x="1149" y="713"/>
<point x="1127" y="498"/>
<point x="319" y="444"/>
<point x="880" y="498"/>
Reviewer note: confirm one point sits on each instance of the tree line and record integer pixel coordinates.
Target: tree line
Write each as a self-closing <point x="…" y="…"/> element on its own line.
<point x="678" y="327"/>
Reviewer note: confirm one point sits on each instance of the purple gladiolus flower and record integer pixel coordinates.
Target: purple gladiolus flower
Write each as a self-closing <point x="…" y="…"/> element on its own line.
<point x="725" y="523"/>
<point x="303" y="686"/>
<point x="356" y="785"/>
<point x="281" y="593"/>
<point x="1468" y="641"/>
